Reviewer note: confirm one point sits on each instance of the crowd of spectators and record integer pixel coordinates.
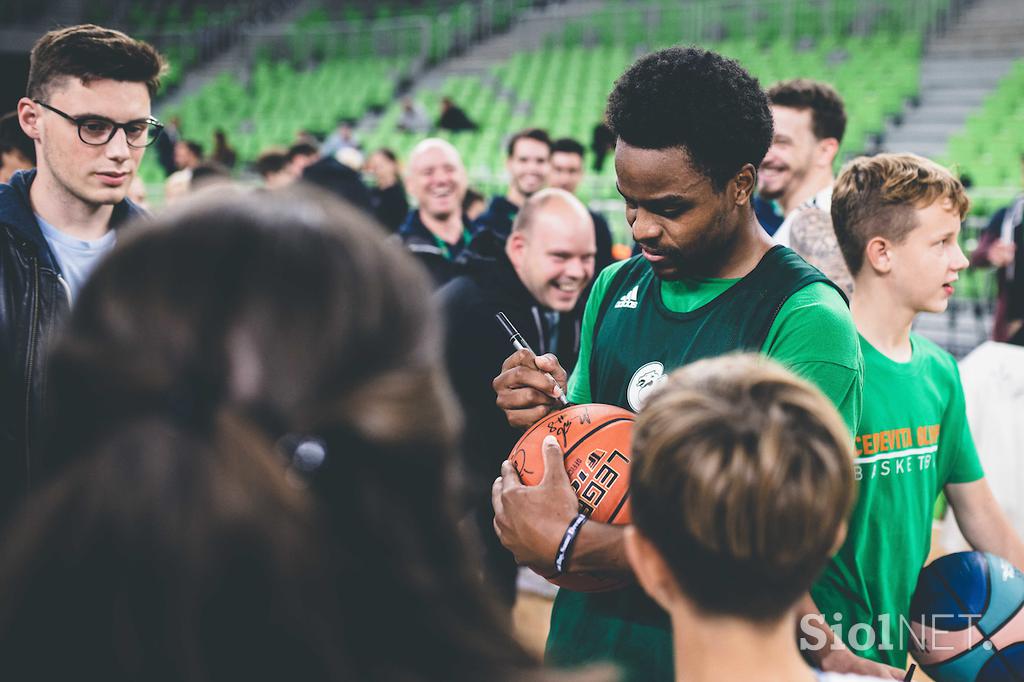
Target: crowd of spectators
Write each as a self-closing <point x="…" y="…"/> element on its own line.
<point x="255" y="432"/>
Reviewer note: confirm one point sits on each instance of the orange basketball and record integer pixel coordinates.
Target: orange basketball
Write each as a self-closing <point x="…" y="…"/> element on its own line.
<point x="595" y="440"/>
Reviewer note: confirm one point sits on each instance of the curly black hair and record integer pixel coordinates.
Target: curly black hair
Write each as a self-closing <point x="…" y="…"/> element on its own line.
<point x="695" y="99"/>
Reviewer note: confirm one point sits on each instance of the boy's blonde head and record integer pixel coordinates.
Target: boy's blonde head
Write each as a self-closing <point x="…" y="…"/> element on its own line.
<point x="876" y="196"/>
<point x="742" y="479"/>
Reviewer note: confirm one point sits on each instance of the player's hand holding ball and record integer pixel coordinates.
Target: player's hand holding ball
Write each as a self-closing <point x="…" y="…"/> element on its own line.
<point x="525" y="391"/>
<point x="568" y="468"/>
<point x="530" y="520"/>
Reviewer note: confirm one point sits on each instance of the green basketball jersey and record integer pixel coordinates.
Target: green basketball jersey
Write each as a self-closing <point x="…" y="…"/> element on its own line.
<point x="636" y="328"/>
<point x="913" y="440"/>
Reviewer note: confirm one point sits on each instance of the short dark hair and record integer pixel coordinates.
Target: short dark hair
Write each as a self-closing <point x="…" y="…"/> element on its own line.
<point x="472" y="196"/>
<point x="271" y="161"/>
<point x="698" y="100"/>
<point x="370" y="385"/>
<point x="207" y="171"/>
<point x="387" y="153"/>
<point x="741" y="480"/>
<point x="302" y="149"/>
<point x="194" y="147"/>
<point x="828" y="115"/>
<point x="567" y="145"/>
<point x="13" y="138"/>
<point x="203" y="504"/>
<point x="530" y="133"/>
<point x="89" y="52"/>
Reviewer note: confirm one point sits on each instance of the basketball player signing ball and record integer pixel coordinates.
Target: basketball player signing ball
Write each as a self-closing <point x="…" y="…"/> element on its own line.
<point x="692" y="128"/>
<point x="722" y="541"/>
<point x="897" y="218"/>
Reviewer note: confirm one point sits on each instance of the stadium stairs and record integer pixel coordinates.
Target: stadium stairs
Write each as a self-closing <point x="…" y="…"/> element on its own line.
<point x="528" y="33"/>
<point x="959" y="69"/>
<point x="236" y="60"/>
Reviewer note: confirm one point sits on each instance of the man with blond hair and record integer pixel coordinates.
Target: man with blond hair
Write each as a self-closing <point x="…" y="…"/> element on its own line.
<point x="436" y="232"/>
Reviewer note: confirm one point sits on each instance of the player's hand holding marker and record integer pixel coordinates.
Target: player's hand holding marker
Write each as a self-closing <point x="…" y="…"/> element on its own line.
<point x="525" y="389"/>
<point x="531" y="520"/>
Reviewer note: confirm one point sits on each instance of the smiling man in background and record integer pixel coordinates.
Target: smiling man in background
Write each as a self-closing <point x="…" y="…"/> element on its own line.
<point x="528" y="165"/>
<point x="536" y="277"/>
<point x="809" y="120"/>
<point x="436" y="231"/>
<point x="87" y="111"/>
<point x="567" y="174"/>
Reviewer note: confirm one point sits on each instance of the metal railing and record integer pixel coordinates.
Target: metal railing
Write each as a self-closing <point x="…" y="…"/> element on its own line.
<point x="644" y="23"/>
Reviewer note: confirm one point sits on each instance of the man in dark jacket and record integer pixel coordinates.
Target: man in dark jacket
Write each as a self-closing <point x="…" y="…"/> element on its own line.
<point x="88" y="114"/>
<point x="536" y="278"/>
<point x="453" y="118"/>
<point x="1002" y="246"/>
<point x="390" y="204"/>
<point x="528" y="165"/>
<point x="436" y="232"/>
<point x="334" y="176"/>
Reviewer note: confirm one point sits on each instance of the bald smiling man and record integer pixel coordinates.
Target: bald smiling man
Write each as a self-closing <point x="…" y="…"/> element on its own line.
<point x="537" y="277"/>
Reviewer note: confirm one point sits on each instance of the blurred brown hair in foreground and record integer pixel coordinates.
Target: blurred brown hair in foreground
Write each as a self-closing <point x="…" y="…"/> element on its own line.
<point x="742" y="480"/>
<point x="187" y="535"/>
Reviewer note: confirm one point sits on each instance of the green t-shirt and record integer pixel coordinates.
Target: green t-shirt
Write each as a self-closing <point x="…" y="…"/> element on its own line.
<point x="812" y="333"/>
<point x="913" y="440"/>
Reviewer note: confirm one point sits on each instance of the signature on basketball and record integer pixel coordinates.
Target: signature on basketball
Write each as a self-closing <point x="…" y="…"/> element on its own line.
<point x="519" y="462"/>
<point x="562" y="424"/>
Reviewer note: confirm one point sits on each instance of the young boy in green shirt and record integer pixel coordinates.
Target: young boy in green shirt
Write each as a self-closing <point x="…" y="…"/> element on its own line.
<point x="897" y="217"/>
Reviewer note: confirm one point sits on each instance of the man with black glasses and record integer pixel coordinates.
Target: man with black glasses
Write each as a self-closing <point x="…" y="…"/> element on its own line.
<point x="87" y="111"/>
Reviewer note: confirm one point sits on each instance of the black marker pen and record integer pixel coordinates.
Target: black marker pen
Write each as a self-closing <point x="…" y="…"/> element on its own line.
<point x="520" y="344"/>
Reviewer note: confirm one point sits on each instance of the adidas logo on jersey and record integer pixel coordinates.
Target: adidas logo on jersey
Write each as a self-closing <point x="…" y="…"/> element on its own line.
<point x="629" y="300"/>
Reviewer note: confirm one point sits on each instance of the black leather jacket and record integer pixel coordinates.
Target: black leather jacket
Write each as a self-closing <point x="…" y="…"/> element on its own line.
<point x="34" y="301"/>
<point x="424" y="246"/>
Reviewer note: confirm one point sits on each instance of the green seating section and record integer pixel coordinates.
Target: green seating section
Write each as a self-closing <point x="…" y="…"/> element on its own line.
<point x="169" y="26"/>
<point x="147" y="17"/>
<point x="481" y="150"/>
<point x="321" y="70"/>
<point x="564" y="90"/>
<point x="278" y="101"/>
<point x="433" y="27"/>
<point x="876" y="76"/>
<point x="657" y="22"/>
<point x="990" y="146"/>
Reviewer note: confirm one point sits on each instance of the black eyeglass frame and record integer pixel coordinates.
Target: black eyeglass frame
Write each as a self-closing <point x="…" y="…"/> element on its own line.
<point x="115" y="126"/>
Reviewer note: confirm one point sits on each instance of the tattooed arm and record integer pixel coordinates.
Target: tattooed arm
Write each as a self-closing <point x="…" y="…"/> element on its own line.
<point x="813" y="238"/>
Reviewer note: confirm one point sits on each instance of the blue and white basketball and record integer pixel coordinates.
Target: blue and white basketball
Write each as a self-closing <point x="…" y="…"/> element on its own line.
<point x="968" y="620"/>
